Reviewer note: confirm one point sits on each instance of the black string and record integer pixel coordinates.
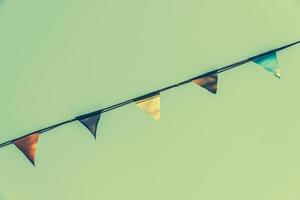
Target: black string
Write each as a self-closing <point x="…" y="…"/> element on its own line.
<point x="5" y="144"/>
<point x="118" y="105"/>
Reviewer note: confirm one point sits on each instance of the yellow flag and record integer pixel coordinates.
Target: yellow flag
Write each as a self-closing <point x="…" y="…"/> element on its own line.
<point x="151" y="105"/>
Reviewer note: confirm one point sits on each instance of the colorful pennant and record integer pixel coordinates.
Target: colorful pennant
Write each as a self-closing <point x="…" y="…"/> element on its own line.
<point x="209" y="82"/>
<point x="151" y="105"/>
<point x="150" y="102"/>
<point x="91" y="122"/>
<point x="269" y="62"/>
<point x="28" y="146"/>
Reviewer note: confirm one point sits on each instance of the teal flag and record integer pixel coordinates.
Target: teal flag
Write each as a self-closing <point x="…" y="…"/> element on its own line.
<point x="269" y="62"/>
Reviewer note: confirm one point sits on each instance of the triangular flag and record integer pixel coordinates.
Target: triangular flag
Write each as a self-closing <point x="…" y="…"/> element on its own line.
<point x="269" y="62"/>
<point x="151" y="105"/>
<point x="209" y="82"/>
<point x="28" y="146"/>
<point x="91" y="122"/>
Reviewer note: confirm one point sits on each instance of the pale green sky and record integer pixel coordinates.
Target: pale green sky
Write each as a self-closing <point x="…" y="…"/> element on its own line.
<point x="62" y="58"/>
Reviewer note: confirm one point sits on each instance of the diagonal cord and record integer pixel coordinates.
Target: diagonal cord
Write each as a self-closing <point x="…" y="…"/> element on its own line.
<point x="118" y="105"/>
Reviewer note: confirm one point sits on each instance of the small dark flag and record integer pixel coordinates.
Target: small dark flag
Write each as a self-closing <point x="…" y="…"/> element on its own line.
<point x="209" y="82"/>
<point x="28" y="146"/>
<point x="90" y="122"/>
<point x="269" y="62"/>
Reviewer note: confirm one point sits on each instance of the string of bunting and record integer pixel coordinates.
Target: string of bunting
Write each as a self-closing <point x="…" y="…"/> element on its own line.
<point x="150" y="103"/>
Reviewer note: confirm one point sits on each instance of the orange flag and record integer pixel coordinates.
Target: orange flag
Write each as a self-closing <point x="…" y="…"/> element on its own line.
<point x="28" y="146"/>
<point x="209" y="82"/>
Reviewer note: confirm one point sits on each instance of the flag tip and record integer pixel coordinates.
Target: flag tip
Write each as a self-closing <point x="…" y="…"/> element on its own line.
<point x="32" y="162"/>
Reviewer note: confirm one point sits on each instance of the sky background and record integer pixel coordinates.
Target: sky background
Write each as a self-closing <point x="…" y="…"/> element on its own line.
<point x="59" y="59"/>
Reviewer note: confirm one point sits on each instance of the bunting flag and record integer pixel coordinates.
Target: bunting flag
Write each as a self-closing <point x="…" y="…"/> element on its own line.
<point x="269" y="62"/>
<point x="209" y="82"/>
<point x="28" y="146"/>
<point x="149" y="102"/>
<point x="151" y="105"/>
<point x="91" y="122"/>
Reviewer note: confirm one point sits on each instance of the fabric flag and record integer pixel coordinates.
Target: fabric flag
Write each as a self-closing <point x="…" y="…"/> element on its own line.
<point x="90" y="122"/>
<point x="151" y="105"/>
<point x="269" y="62"/>
<point x="209" y="82"/>
<point x="28" y="146"/>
